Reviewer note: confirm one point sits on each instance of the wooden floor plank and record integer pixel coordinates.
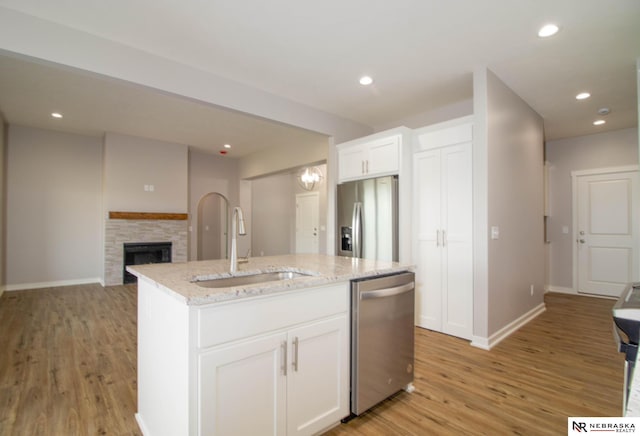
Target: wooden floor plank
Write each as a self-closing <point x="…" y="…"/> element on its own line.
<point x="68" y="367"/>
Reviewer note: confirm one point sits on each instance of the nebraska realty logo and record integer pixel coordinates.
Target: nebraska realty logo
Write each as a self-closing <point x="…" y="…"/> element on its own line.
<point x="580" y="426"/>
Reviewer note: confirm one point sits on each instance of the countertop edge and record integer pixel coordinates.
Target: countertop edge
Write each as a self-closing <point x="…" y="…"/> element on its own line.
<point x="191" y="294"/>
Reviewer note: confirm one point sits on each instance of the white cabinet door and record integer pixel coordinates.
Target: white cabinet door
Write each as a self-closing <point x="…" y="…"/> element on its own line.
<point x="457" y="251"/>
<point x="351" y="162"/>
<point x="243" y="388"/>
<point x="372" y="159"/>
<point x="428" y="252"/>
<point x="318" y="375"/>
<point x="383" y="157"/>
<point x="444" y="274"/>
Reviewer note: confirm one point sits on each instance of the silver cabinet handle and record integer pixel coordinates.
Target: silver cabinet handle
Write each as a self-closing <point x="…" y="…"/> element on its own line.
<point x="367" y="167"/>
<point x="444" y="238"/>
<point x="389" y="292"/>
<point x="295" y="353"/>
<point x="438" y="238"/>
<point x="362" y="172"/>
<point x="284" y="347"/>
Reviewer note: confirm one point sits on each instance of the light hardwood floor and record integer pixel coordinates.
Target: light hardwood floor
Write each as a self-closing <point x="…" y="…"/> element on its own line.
<point x="68" y="367"/>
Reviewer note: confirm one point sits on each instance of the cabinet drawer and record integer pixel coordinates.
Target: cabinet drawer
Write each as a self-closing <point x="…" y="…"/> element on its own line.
<point x="254" y="316"/>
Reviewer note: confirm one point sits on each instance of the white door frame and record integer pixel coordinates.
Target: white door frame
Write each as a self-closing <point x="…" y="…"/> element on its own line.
<point x="574" y="208"/>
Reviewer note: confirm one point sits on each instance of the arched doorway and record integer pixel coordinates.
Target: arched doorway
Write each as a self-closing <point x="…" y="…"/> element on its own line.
<point x="213" y="213"/>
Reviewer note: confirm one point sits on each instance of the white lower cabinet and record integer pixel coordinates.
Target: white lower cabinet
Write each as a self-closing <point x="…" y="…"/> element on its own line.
<point x="318" y="376"/>
<point x="287" y="383"/>
<point x="242" y="388"/>
<point x="270" y="365"/>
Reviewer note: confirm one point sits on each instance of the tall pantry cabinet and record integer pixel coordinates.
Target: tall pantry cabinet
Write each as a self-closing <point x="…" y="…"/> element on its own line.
<point x="443" y="250"/>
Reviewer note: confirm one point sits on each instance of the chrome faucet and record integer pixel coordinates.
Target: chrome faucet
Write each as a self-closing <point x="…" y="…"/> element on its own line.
<point x="237" y="221"/>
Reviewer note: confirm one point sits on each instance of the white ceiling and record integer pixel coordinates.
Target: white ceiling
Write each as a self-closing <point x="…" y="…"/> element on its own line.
<point x="421" y="54"/>
<point x="92" y="105"/>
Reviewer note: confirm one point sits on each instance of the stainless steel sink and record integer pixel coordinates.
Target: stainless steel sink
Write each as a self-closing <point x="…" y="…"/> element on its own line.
<point x="226" y="282"/>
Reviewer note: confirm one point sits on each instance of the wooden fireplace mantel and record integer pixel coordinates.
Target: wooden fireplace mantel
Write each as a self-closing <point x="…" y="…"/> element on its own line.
<point x="148" y="216"/>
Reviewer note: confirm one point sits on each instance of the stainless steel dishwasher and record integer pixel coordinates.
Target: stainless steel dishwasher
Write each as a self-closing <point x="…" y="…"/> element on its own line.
<point x="382" y="334"/>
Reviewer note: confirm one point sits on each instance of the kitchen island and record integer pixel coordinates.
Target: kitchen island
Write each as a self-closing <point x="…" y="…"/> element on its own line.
<point x="262" y="358"/>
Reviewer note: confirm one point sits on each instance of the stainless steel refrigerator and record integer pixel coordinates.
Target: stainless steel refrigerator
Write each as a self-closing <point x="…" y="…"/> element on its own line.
<point x="368" y="218"/>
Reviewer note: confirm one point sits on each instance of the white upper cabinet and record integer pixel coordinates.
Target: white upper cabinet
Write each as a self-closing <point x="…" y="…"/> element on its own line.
<point x="367" y="158"/>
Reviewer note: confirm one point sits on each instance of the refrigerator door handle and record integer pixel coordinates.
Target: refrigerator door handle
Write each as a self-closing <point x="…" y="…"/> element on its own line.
<point x="356" y="225"/>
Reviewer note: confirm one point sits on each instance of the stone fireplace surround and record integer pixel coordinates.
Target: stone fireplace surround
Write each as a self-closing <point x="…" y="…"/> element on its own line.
<point x="123" y="227"/>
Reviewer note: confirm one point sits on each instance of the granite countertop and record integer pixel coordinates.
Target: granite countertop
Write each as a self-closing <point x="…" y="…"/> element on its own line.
<point x="177" y="279"/>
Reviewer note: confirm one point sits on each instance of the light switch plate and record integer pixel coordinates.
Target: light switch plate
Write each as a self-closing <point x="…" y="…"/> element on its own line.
<point x="495" y="232"/>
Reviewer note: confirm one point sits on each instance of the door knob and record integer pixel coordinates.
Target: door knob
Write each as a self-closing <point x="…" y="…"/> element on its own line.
<point x="582" y="232"/>
<point x="581" y="241"/>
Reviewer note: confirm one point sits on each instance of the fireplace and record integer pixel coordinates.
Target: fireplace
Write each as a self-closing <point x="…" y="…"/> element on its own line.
<point x="140" y="253"/>
<point x="141" y="228"/>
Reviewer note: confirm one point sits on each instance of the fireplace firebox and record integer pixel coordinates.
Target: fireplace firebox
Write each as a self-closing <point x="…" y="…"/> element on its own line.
<point x="140" y="253"/>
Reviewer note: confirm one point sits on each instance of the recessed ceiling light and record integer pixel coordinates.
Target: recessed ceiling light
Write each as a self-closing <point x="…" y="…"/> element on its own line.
<point x="599" y="122"/>
<point x="548" y="30"/>
<point x="366" y="80"/>
<point x="583" y="95"/>
<point x="227" y="146"/>
<point x="56" y="115"/>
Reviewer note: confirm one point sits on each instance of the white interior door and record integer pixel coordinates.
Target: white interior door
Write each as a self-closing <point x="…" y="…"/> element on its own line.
<point x="606" y="231"/>
<point x="307" y="218"/>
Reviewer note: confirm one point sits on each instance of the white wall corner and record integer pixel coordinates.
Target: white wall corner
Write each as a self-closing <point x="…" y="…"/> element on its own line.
<point x="638" y="91"/>
<point x="332" y="181"/>
<point x="480" y="206"/>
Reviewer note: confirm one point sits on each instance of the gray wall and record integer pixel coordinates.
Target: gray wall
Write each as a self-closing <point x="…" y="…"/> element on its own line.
<point x="131" y="162"/>
<point x="273" y="213"/>
<point x="610" y="149"/>
<point x="279" y="159"/>
<point x="54" y="225"/>
<point x="3" y="199"/>
<point x="209" y="173"/>
<point x="445" y="113"/>
<point x="508" y="194"/>
<point x="516" y="205"/>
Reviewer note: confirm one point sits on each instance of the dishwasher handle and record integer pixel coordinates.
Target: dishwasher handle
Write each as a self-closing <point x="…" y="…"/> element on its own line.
<point x="387" y="292"/>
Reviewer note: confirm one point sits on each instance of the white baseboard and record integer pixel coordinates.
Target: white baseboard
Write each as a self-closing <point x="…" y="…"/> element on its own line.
<point x="504" y="332"/>
<point x="54" y="284"/>
<point x="560" y="289"/>
<point x="143" y="427"/>
<point x="571" y="291"/>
